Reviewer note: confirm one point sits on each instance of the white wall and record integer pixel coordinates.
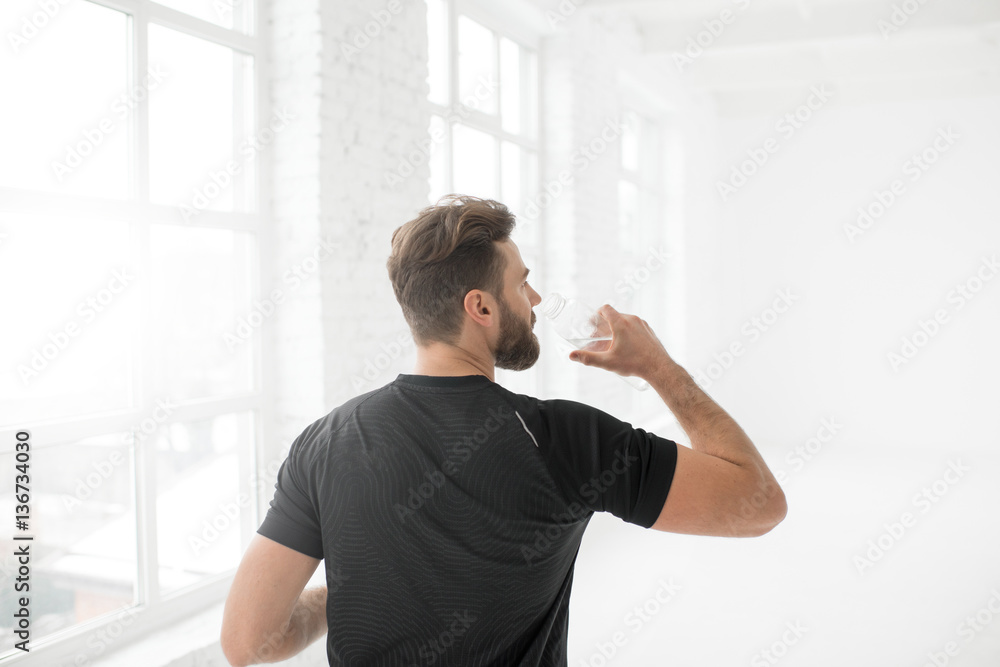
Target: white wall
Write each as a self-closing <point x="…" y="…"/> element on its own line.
<point x="789" y="227"/>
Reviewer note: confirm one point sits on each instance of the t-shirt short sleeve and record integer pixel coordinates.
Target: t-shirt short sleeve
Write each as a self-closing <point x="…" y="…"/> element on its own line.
<point x="606" y="464"/>
<point x="292" y="518"/>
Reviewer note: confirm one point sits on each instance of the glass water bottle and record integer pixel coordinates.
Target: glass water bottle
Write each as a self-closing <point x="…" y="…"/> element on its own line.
<point x="582" y="327"/>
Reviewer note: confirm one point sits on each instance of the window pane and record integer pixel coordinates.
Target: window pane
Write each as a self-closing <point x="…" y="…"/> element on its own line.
<point x="227" y="13"/>
<point x="84" y="529"/>
<point x="510" y="174"/>
<point x="510" y="85"/>
<point x="198" y="497"/>
<point x="439" y="175"/>
<point x="191" y="133"/>
<point x="526" y="233"/>
<point x="628" y="215"/>
<point x="477" y="66"/>
<point x="630" y="141"/>
<point x="475" y="162"/>
<point x="255" y="137"/>
<point x="64" y="122"/>
<point x="530" y="61"/>
<point x="75" y="308"/>
<point x="530" y="210"/>
<point x="203" y="326"/>
<point x="437" y="52"/>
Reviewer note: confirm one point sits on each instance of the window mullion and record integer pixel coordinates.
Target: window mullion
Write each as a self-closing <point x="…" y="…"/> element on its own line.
<point x="452" y="32"/>
<point x="140" y="133"/>
<point x="498" y="101"/>
<point x="143" y="458"/>
<point x="240" y="129"/>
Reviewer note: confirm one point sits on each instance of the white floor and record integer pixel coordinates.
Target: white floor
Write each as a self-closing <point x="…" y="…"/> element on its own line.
<point x="740" y="597"/>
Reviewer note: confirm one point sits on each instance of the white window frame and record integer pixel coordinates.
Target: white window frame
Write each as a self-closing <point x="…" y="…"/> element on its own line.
<point x="655" y="109"/>
<point x="153" y="611"/>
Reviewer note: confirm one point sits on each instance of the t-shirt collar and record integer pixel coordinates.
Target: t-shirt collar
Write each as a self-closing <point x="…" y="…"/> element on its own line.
<point x="445" y="380"/>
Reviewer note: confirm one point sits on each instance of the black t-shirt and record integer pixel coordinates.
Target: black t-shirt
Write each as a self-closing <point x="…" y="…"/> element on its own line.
<point x="449" y="512"/>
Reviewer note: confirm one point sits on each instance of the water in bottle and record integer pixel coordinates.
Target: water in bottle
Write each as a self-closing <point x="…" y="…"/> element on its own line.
<point x="582" y="327"/>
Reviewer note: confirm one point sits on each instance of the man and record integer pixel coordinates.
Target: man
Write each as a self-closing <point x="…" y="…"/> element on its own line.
<point x="448" y="510"/>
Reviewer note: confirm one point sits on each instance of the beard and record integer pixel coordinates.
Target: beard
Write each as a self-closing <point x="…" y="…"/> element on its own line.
<point x="517" y="347"/>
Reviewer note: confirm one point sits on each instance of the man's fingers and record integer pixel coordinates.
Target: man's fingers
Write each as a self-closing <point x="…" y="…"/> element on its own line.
<point x="609" y="313"/>
<point x="584" y="358"/>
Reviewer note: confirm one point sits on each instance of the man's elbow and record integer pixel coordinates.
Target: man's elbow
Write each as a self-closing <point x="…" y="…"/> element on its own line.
<point x="773" y="513"/>
<point x="237" y="650"/>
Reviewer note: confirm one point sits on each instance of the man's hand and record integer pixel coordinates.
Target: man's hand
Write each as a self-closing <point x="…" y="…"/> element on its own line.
<point x="268" y="617"/>
<point x="634" y="349"/>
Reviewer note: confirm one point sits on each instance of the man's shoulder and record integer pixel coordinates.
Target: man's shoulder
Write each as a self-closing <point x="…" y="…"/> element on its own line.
<point x="549" y="410"/>
<point x="549" y="405"/>
<point x="318" y="432"/>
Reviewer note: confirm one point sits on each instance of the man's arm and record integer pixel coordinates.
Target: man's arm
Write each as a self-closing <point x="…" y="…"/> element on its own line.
<point x="721" y="485"/>
<point x="268" y="617"/>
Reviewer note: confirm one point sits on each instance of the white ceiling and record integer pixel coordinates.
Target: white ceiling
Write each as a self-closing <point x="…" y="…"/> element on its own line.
<point x="948" y="46"/>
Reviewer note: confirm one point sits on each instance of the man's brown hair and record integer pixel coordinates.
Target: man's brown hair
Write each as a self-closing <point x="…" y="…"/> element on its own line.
<point x="442" y="254"/>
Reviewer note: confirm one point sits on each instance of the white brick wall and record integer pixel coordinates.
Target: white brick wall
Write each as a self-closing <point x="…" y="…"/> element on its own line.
<point x="374" y="106"/>
<point x="357" y="70"/>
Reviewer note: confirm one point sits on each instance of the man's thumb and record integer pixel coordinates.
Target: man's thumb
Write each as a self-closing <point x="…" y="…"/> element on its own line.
<point x="577" y="355"/>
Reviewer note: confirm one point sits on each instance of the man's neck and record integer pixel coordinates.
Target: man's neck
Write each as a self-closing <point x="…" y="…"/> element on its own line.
<point x="445" y="360"/>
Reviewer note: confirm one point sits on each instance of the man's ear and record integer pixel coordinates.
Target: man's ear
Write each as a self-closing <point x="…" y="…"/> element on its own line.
<point x="480" y="306"/>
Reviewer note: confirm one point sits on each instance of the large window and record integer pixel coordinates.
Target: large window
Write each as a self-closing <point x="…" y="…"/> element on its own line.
<point x="641" y="209"/>
<point x="130" y="142"/>
<point x="484" y="124"/>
